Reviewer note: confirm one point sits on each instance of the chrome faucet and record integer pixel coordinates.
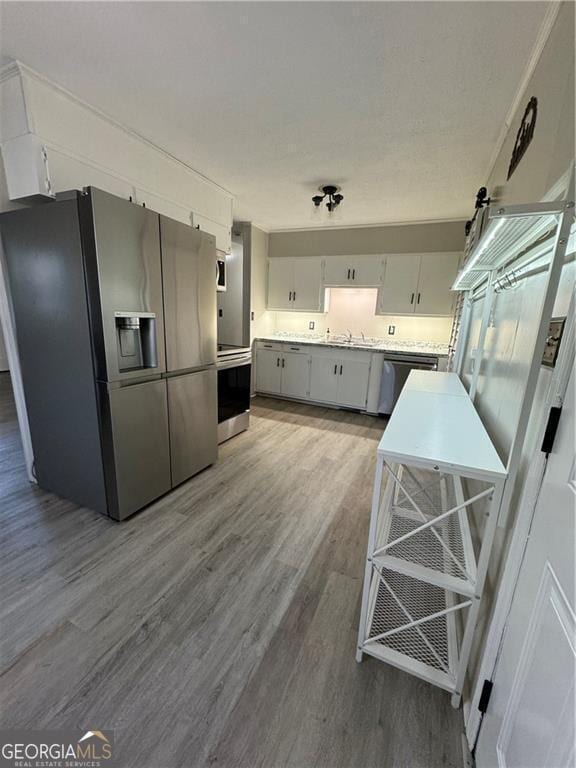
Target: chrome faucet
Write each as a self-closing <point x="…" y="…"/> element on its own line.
<point x="349" y="335"/>
<point x="363" y="337"/>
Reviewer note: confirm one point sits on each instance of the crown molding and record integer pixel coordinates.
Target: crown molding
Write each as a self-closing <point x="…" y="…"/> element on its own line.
<point x="9" y="70"/>
<point x="541" y="40"/>
<point x="324" y="228"/>
<point x="15" y="68"/>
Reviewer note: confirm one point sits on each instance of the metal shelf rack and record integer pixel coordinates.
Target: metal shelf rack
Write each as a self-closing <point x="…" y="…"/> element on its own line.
<point x="509" y="232"/>
<point x="423" y="578"/>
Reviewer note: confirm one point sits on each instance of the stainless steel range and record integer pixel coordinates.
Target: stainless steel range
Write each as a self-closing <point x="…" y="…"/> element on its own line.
<point x="234" y="366"/>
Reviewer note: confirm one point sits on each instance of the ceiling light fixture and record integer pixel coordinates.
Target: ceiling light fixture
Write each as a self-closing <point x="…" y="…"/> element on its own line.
<point x="332" y="196"/>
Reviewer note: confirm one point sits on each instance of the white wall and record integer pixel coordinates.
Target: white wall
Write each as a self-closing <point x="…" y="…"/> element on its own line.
<point x="352" y="308"/>
<point x="542" y="174"/>
<point x="86" y="147"/>
<point x="355" y="309"/>
<point x="263" y="322"/>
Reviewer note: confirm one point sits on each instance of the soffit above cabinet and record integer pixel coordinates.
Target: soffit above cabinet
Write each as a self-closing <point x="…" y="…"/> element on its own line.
<point x="52" y="142"/>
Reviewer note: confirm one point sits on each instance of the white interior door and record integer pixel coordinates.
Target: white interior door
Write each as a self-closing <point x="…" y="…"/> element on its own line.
<point x="529" y="722"/>
<point x="280" y="283"/>
<point x="307" y="284"/>
<point x="437" y="273"/>
<point x="398" y="293"/>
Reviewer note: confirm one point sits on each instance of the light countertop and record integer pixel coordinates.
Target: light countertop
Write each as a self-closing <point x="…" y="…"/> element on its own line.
<point x="372" y="343"/>
<point x="435" y="421"/>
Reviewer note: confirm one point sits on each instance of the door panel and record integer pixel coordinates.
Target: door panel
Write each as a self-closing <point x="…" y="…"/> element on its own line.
<point x="324" y="379"/>
<point x="398" y="293"/>
<point x="280" y="283"/>
<point x="139" y="416"/>
<point x="268" y="371"/>
<point x="367" y="271"/>
<point x="353" y="383"/>
<point x="193" y="411"/>
<point x="295" y="374"/>
<point x="338" y="271"/>
<point x="189" y="275"/>
<point x="437" y="273"/>
<point x="307" y="284"/>
<point x="129" y="275"/>
<point x="530" y="717"/>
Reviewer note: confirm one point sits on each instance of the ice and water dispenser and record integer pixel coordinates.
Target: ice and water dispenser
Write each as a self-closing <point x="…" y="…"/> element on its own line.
<point x="136" y="340"/>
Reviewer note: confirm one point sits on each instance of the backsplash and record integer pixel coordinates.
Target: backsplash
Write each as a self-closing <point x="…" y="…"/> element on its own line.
<point x="354" y="309"/>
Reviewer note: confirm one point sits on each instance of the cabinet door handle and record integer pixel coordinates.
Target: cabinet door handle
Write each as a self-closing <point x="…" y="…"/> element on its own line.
<point x="293" y="295"/>
<point x="283" y="361"/>
<point x="353" y="274"/>
<point x="412" y="299"/>
<point x="289" y="295"/>
<point x="418" y="299"/>
<point x="277" y="362"/>
<point x="340" y="370"/>
<point x="348" y="274"/>
<point x="335" y="369"/>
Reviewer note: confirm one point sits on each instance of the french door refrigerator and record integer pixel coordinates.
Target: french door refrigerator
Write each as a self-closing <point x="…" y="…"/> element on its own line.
<point x="118" y="364"/>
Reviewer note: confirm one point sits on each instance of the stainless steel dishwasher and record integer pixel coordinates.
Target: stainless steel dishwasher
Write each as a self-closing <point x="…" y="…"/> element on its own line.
<point x="395" y="371"/>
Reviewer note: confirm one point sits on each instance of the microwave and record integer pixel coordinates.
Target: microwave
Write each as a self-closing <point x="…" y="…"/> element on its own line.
<point x="221" y="274"/>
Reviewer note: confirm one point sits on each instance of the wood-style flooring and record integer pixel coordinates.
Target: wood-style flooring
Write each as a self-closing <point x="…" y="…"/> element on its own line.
<point x="218" y="626"/>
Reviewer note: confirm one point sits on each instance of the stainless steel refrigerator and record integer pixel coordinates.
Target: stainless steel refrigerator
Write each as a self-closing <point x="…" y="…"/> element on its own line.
<point x="115" y="317"/>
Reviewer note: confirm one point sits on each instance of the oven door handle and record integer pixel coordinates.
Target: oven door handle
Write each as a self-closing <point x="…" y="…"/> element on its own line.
<point x="223" y="365"/>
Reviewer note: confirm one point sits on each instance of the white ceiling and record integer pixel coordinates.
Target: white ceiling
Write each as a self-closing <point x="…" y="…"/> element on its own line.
<point x="401" y="103"/>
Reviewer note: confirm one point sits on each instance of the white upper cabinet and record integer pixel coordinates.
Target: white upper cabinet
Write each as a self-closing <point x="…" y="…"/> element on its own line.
<point x="280" y="283"/>
<point x="437" y="273"/>
<point x="295" y="284"/>
<point x="307" y="284"/>
<point x="398" y="293"/>
<point x="418" y="284"/>
<point x="353" y="271"/>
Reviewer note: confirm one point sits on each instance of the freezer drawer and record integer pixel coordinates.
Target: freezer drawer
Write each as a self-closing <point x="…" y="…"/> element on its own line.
<point x="192" y="404"/>
<point x="189" y="278"/>
<point x="139" y="422"/>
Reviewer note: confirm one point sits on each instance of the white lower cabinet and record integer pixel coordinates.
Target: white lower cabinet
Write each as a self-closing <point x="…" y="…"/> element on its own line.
<point x="268" y="370"/>
<point x="282" y="371"/>
<point x="323" y="379"/>
<point x="339" y="381"/>
<point x="353" y="378"/>
<point x="295" y="374"/>
<point x="319" y="373"/>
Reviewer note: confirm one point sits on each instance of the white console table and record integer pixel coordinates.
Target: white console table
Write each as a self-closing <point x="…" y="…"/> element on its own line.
<point x="424" y="576"/>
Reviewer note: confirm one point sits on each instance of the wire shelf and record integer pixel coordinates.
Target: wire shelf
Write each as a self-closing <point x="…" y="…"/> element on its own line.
<point x="442" y="554"/>
<point x="427" y="648"/>
<point x="509" y="232"/>
<point x="421" y="600"/>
